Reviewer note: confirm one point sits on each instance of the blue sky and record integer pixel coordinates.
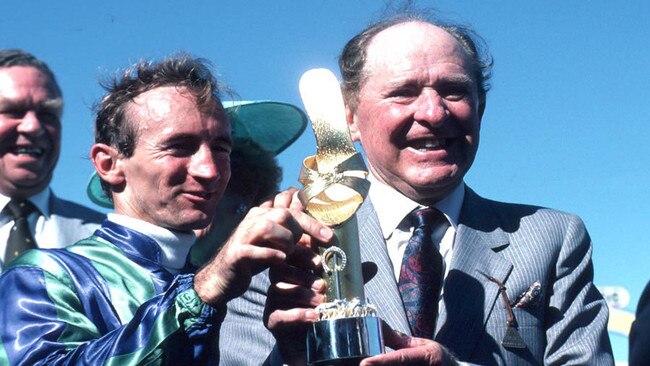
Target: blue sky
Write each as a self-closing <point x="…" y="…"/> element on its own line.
<point x="567" y="120"/>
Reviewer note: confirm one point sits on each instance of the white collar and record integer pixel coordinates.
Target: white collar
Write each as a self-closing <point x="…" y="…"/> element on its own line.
<point x="392" y="206"/>
<point x="174" y="245"/>
<point x="41" y="200"/>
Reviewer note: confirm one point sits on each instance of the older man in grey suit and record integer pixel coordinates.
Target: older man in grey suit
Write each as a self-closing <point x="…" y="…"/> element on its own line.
<point x="31" y="105"/>
<point x="516" y="284"/>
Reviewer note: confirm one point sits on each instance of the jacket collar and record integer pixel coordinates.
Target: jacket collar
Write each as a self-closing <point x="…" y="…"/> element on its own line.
<point x="470" y="296"/>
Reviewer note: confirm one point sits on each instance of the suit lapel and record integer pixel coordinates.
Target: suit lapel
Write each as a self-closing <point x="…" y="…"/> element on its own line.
<point x="469" y="297"/>
<point x="381" y="290"/>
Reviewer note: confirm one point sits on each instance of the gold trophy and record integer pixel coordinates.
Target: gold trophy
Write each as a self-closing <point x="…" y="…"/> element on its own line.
<point x="334" y="186"/>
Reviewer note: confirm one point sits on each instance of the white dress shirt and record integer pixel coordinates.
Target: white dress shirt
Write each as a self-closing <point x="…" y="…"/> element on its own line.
<point x="41" y="226"/>
<point x="393" y="210"/>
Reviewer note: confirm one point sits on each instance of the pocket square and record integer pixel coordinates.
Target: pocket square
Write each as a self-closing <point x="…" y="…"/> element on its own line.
<point x="529" y="298"/>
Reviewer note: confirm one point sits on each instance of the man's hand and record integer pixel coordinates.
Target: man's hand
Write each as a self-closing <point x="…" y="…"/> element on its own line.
<point x="294" y="292"/>
<point x="410" y="351"/>
<point x="266" y="236"/>
<point x="296" y="288"/>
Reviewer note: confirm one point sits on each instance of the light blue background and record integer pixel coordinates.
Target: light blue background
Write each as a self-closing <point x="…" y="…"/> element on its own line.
<point x="566" y="126"/>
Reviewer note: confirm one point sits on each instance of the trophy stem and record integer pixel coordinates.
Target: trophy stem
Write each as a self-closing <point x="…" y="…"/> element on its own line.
<point x="342" y="263"/>
<point x="348" y="330"/>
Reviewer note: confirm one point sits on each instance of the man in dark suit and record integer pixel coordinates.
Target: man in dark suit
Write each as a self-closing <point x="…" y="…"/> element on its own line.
<point x="640" y="332"/>
<point x="517" y="280"/>
<point x="31" y="106"/>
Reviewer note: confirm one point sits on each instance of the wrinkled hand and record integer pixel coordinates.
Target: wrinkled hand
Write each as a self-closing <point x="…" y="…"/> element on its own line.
<point x="410" y="351"/>
<point x="266" y="236"/>
<point x="296" y="288"/>
<point x="294" y="292"/>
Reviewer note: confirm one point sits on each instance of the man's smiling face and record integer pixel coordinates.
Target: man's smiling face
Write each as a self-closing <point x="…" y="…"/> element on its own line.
<point x="30" y="130"/>
<point x="418" y="115"/>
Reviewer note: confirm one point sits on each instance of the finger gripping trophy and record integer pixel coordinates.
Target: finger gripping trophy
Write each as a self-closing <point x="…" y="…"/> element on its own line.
<point x="334" y="186"/>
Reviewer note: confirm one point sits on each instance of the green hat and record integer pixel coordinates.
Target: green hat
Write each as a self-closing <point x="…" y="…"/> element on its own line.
<point x="272" y="125"/>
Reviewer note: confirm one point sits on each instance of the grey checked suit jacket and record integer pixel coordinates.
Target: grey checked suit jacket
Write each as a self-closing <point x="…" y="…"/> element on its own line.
<point x="516" y="244"/>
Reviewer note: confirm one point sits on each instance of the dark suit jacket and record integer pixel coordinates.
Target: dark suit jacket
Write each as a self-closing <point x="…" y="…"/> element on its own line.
<point x="515" y="244"/>
<point x="75" y="221"/>
<point x="640" y="332"/>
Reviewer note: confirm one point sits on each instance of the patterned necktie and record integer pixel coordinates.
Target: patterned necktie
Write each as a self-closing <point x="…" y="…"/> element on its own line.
<point x="20" y="238"/>
<point x="421" y="273"/>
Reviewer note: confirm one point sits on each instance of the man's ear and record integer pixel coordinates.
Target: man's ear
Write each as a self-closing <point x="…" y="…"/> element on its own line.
<point x="352" y="124"/>
<point x="106" y="161"/>
<point x="481" y="108"/>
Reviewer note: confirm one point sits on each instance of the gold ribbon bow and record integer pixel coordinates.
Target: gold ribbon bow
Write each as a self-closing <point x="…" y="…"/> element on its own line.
<point x="334" y="184"/>
<point x="333" y="196"/>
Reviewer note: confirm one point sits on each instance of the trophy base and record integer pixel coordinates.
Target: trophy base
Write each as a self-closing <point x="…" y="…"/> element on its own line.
<point x="344" y="341"/>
